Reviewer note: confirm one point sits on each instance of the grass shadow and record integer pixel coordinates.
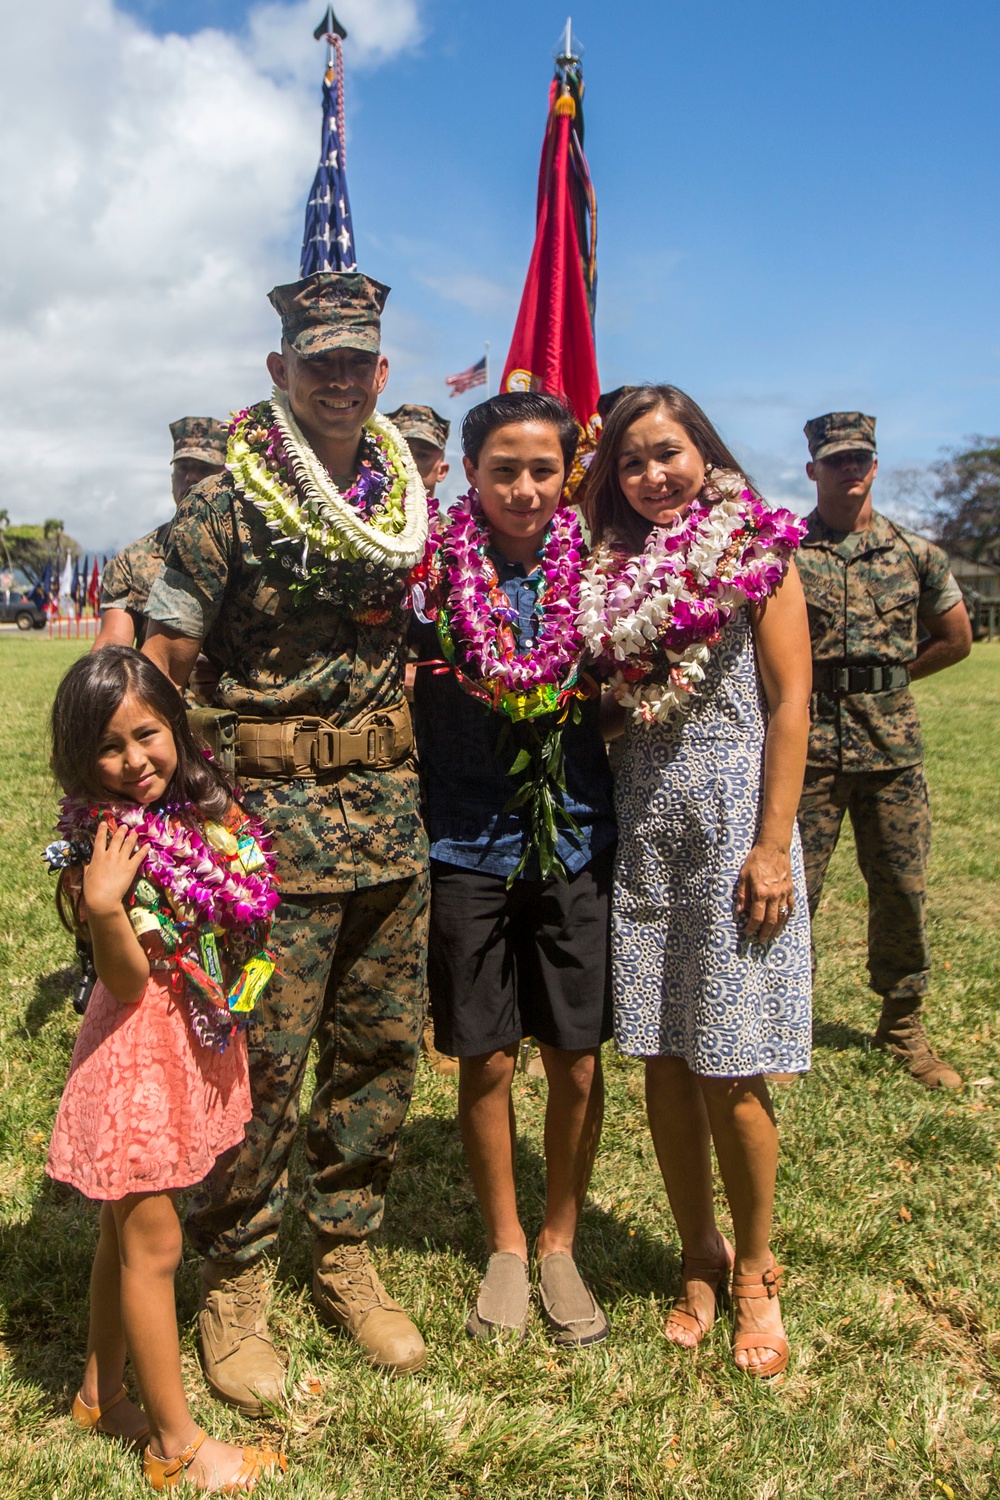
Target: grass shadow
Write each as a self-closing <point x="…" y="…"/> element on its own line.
<point x="51" y="993"/>
<point x="432" y="1207"/>
<point x="836" y="1036"/>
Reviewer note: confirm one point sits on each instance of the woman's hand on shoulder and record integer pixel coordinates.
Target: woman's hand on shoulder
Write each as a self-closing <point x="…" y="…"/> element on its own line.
<point x="114" y="864"/>
<point x="765" y="895"/>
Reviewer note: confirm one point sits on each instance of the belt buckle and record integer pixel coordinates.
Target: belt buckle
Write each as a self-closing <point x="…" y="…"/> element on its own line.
<point x="842" y="680"/>
<point x="326" y="744"/>
<point x="878" y="682"/>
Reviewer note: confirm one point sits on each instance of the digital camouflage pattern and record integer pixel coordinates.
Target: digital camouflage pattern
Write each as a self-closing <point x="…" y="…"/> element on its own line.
<point x="865" y="597"/>
<point x="129" y="576"/>
<point x="331" y="310"/>
<point x="352" y="975"/>
<point x="422" y="423"/>
<point x="890" y="815"/>
<point x="840" y="432"/>
<point x="336" y="651"/>
<point x="201" y="438"/>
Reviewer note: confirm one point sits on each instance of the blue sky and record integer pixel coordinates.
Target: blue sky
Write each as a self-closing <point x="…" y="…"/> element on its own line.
<point x="797" y="203"/>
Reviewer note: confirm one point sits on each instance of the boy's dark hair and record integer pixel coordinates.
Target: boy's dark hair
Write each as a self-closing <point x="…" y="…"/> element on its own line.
<point x="608" y="514"/>
<point x="519" y="406"/>
<point x="91" y="693"/>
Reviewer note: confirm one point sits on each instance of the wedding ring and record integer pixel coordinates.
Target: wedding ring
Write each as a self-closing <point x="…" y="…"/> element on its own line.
<point x="784" y="911"/>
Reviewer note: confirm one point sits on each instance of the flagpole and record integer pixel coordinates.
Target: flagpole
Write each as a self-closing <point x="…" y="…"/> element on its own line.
<point x="488" y="370"/>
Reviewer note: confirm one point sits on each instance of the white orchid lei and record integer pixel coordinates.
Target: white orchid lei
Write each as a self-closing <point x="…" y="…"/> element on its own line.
<point x="651" y="620"/>
<point x="381" y="519"/>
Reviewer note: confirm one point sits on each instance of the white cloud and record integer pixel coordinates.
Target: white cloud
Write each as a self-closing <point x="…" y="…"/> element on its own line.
<point x="153" y="191"/>
<point x="281" y="41"/>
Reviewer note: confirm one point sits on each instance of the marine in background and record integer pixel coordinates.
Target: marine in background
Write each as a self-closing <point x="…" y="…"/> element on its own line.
<point x="884" y="609"/>
<point x="426" y="432"/>
<point x="199" y="452"/>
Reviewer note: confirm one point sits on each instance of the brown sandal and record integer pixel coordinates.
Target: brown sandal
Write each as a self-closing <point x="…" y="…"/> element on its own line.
<point x="715" y="1276"/>
<point x="89" y="1418"/>
<point x="167" y="1473"/>
<point x="751" y="1285"/>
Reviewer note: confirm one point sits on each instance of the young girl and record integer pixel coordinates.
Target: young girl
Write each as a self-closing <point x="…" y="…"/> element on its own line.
<point x="694" y="604"/>
<point x="518" y="801"/>
<point x="168" y="878"/>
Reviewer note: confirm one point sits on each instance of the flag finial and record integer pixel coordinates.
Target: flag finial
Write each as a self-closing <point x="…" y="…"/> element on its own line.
<point x="330" y="26"/>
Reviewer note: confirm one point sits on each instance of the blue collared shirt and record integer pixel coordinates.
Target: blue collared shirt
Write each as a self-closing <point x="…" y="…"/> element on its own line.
<point x="465" y="751"/>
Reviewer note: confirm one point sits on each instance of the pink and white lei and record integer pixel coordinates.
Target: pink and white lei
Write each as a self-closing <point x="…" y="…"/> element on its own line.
<point x="206" y="884"/>
<point x="652" y="619"/>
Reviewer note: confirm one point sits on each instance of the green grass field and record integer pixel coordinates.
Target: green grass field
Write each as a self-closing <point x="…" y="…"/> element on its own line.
<point x="887" y="1221"/>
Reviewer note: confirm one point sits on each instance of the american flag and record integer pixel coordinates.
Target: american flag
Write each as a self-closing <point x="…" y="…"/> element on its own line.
<point x="474" y="375"/>
<point x="328" y="242"/>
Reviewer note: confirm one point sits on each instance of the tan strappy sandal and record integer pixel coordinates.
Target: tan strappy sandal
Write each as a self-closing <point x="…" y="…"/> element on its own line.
<point x="716" y="1277"/>
<point x="751" y="1285"/>
<point x="89" y="1419"/>
<point x="168" y="1473"/>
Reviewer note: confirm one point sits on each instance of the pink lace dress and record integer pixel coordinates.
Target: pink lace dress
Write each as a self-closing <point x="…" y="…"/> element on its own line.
<point x="146" y="1107"/>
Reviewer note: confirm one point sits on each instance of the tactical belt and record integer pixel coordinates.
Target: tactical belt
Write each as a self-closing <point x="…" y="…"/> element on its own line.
<point x="313" y="747"/>
<point x="842" y="678"/>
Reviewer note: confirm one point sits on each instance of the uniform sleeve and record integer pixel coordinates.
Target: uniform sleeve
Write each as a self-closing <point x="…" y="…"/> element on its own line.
<point x="189" y="588"/>
<point x="116" y="583"/>
<point x="938" y="590"/>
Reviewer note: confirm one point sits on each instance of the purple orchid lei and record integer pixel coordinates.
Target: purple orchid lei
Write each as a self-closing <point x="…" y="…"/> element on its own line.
<point x="183" y="862"/>
<point x="475" y="619"/>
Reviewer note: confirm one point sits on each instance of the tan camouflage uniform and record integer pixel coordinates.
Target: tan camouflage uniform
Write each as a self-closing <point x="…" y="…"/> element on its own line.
<point x="865" y="596"/>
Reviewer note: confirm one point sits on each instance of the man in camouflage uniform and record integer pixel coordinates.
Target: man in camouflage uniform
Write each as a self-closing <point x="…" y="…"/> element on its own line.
<point x="427" y="435"/>
<point x="199" y="452"/>
<point x="869" y="585"/>
<point x="324" y="753"/>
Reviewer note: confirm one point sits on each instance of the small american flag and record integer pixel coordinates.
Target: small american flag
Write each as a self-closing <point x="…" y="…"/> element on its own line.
<point x="474" y="375"/>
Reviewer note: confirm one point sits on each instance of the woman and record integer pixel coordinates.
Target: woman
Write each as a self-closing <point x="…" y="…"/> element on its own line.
<point x="711" y="944"/>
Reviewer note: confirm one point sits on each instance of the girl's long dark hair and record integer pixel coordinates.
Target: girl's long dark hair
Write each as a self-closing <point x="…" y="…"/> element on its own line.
<point x="608" y="514"/>
<point x="91" y="693"/>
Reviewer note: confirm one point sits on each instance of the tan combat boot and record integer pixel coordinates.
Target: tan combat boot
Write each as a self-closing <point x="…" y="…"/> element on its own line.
<point x="901" y="1030"/>
<point x="348" y="1293"/>
<point x="241" y="1364"/>
<point x="440" y="1063"/>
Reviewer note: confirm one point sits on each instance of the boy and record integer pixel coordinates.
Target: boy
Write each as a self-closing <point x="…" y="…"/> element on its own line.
<point x="531" y="959"/>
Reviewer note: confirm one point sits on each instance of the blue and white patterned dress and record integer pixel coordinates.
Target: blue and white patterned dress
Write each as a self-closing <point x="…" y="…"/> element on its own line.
<point x="687" y="982"/>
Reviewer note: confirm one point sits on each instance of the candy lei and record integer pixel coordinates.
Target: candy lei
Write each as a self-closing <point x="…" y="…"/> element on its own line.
<point x="200" y="880"/>
<point x="211" y="884"/>
<point x="475" y="621"/>
<point x="651" y="620"/>
<point x="382" y="519"/>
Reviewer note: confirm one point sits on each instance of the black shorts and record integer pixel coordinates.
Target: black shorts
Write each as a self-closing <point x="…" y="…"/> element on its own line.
<point x="530" y="961"/>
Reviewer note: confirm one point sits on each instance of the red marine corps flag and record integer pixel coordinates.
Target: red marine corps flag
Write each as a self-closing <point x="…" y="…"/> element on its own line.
<point x="553" y="344"/>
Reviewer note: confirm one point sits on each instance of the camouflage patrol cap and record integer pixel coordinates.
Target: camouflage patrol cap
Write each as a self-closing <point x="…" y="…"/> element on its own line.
<point x="422" y="423"/>
<point x="840" y="432"/>
<point x="202" y="438"/>
<point x="331" y="310"/>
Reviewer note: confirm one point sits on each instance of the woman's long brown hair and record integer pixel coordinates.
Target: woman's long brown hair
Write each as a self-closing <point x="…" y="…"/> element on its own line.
<point x="607" y="512"/>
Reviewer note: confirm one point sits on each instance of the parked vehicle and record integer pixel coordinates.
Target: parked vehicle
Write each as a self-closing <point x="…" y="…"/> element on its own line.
<point x="20" y="609"/>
